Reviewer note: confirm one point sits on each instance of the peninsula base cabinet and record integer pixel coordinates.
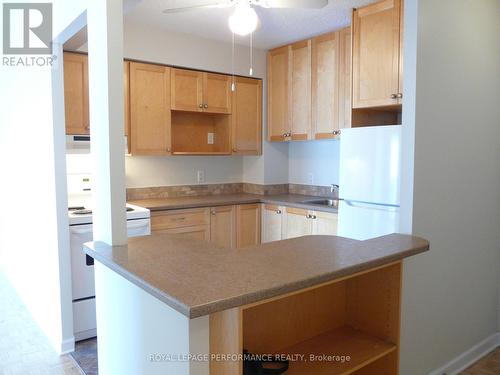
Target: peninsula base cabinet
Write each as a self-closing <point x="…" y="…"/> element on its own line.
<point x="226" y="226"/>
<point x="281" y="223"/>
<point x="356" y="319"/>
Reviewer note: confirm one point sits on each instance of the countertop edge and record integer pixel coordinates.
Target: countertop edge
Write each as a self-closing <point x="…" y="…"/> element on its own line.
<point x="148" y="288"/>
<point x="263" y="199"/>
<point x="249" y="298"/>
<point x="240" y="301"/>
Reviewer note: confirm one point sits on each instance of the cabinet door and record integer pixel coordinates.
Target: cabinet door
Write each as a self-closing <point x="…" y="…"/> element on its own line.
<point x="149" y="109"/>
<point x="300" y="90"/>
<point x="272" y="227"/>
<point x="247" y="225"/>
<point x="223" y="226"/>
<point x="324" y="223"/>
<point x="199" y="232"/>
<point x="325" y="85"/>
<point x="247" y="117"/>
<point x="345" y="79"/>
<point x="76" y="95"/>
<point x="277" y="94"/>
<point x="297" y="223"/>
<point x="216" y="93"/>
<point x="187" y="90"/>
<point x="126" y="94"/>
<point x="376" y="44"/>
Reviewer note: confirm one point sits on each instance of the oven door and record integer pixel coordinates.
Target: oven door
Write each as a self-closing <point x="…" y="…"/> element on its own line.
<point x="82" y="276"/>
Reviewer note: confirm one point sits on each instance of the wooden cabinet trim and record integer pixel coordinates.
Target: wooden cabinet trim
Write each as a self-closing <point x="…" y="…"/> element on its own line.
<point x="208" y="95"/>
<point x="384" y="99"/>
<point x="137" y="93"/>
<point x="237" y="138"/>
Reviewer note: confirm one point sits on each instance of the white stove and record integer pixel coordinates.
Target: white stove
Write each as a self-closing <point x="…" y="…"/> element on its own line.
<point x="81" y="214"/>
<point x="82" y="266"/>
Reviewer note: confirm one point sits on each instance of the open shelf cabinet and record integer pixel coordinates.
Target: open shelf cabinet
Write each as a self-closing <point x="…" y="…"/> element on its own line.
<point x="349" y="326"/>
<point x="191" y="132"/>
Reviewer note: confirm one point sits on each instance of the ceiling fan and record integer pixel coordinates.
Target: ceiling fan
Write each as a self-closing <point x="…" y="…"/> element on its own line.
<point x="244" y="20"/>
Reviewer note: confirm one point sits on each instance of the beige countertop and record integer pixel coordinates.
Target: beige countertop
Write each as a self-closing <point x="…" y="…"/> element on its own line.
<point x="198" y="278"/>
<point x="291" y="200"/>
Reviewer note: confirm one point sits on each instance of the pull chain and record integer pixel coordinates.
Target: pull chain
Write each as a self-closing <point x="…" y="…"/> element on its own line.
<point x="251" y="54"/>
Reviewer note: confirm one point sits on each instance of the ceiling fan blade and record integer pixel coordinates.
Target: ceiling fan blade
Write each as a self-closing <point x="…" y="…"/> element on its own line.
<point x="312" y="4"/>
<point x="207" y="4"/>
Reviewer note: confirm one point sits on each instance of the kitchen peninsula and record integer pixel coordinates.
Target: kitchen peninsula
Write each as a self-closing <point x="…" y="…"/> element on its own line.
<point x="162" y="298"/>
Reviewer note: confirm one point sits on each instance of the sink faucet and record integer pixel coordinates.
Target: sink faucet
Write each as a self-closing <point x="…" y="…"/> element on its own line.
<point x="334" y="189"/>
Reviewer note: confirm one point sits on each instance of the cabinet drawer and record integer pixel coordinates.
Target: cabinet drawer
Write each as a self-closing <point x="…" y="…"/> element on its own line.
<point x="179" y="218"/>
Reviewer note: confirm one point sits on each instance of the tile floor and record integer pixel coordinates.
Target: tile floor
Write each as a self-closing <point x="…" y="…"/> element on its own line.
<point x="24" y="350"/>
<point x="489" y="365"/>
<point x="85" y="355"/>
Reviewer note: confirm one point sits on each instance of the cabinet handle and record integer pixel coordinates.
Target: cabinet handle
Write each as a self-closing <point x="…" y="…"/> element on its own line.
<point x="394" y="96"/>
<point x="168" y="149"/>
<point x="235" y="150"/>
<point x="205" y="106"/>
<point x="309" y="216"/>
<point x="201" y="105"/>
<point x="213" y="213"/>
<point x="278" y="212"/>
<point x="336" y="132"/>
<point x="399" y="96"/>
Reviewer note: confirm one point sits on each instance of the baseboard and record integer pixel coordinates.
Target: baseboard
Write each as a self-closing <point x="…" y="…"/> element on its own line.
<point x="467" y="358"/>
<point x="67" y="346"/>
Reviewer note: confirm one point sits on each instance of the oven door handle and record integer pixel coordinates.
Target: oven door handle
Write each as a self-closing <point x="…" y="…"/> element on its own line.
<point x="76" y="230"/>
<point x="141" y="224"/>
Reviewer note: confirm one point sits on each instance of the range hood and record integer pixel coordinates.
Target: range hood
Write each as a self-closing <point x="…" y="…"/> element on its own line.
<point x="80" y="144"/>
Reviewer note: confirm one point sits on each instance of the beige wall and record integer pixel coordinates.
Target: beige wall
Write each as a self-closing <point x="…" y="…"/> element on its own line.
<point x="451" y="294"/>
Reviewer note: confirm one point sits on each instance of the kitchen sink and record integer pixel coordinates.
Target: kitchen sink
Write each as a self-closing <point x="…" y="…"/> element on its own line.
<point x="333" y="203"/>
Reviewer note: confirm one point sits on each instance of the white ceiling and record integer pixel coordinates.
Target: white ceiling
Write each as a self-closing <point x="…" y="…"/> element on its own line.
<point x="277" y="26"/>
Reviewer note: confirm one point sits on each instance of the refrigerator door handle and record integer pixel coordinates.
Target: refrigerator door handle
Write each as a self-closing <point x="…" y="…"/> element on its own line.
<point x="372" y="206"/>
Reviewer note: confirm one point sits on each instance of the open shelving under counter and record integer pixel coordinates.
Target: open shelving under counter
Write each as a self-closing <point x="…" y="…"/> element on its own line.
<point x="330" y="297"/>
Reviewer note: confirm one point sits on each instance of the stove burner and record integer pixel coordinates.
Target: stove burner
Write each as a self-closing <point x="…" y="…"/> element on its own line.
<point x="84" y="211"/>
<point x="76" y="208"/>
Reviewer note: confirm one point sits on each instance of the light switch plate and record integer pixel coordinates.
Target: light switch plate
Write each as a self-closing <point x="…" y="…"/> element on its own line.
<point x="200" y="177"/>
<point x="210" y="138"/>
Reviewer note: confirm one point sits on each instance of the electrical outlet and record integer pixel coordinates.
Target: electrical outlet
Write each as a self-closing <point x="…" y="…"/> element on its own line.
<point x="210" y="138"/>
<point x="311" y="178"/>
<point x="200" y="177"/>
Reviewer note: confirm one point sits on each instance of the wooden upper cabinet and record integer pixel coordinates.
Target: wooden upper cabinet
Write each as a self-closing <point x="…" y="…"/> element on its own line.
<point x="126" y="94"/>
<point x="186" y="90"/>
<point x="248" y="225"/>
<point x="345" y="79"/>
<point x="150" y="120"/>
<point x="216" y="93"/>
<point x="277" y="94"/>
<point x="195" y="91"/>
<point x="247" y="117"/>
<point x="223" y="226"/>
<point x="300" y="90"/>
<point x="325" y="85"/>
<point x="376" y="54"/>
<point x="76" y="94"/>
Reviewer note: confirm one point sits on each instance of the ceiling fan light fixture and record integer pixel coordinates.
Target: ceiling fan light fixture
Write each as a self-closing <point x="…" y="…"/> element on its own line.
<point x="244" y="20"/>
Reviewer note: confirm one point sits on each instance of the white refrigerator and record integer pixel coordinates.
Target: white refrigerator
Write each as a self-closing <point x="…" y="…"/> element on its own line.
<point x="369" y="181"/>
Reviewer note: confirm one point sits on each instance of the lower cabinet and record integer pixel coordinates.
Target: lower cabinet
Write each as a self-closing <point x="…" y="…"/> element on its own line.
<point x="297" y="223"/>
<point x="227" y="226"/>
<point x="248" y="225"/>
<point x="223" y="226"/>
<point x="272" y="223"/>
<point x="281" y="223"/>
<point x="193" y="223"/>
